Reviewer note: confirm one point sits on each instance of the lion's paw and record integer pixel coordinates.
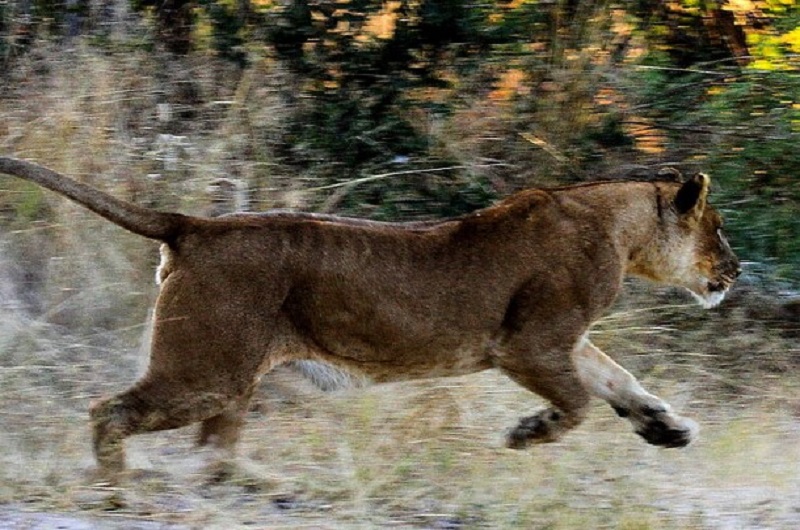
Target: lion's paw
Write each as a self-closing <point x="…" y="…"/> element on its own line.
<point x="664" y="429"/>
<point x="539" y="428"/>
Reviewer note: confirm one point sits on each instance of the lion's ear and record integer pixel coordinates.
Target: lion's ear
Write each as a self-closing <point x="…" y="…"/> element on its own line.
<point x="691" y="198"/>
<point x="670" y="173"/>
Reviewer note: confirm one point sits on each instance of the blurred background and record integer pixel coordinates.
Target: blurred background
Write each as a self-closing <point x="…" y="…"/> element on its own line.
<point x="401" y="110"/>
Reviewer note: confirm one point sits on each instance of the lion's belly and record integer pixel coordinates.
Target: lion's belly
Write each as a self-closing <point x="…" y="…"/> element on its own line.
<point x="392" y="347"/>
<point x="399" y="326"/>
<point x="385" y="363"/>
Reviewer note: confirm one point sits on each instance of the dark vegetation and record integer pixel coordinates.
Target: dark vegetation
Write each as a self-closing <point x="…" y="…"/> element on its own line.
<point x="507" y="93"/>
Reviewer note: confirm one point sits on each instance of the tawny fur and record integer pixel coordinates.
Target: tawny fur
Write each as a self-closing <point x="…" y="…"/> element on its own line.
<point x="515" y="287"/>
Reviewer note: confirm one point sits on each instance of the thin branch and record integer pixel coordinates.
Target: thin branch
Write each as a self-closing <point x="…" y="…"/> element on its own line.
<point x="372" y="178"/>
<point x="681" y="70"/>
<point x="705" y="130"/>
<point x="545" y="146"/>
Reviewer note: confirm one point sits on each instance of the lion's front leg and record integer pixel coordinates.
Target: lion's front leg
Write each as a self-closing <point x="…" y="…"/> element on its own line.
<point x="555" y="379"/>
<point x="651" y="417"/>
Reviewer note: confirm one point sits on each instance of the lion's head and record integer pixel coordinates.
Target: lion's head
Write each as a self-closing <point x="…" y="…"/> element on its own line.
<point x="690" y="249"/>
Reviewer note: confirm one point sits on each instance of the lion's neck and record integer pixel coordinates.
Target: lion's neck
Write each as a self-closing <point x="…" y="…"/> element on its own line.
<point x="631" y="212"/>
<point x="637" y="226"/>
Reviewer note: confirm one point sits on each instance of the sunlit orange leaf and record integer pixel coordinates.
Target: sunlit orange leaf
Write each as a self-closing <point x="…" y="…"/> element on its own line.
<point x="508" y="85"/>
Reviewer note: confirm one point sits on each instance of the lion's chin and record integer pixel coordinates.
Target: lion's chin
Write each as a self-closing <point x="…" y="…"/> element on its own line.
<point x="709" y="298"/>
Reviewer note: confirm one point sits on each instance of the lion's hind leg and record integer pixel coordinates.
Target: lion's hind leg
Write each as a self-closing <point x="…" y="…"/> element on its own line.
<point x="651" y="417"/>
<point x="223" y="430"/>
<point x="148" y="406"/>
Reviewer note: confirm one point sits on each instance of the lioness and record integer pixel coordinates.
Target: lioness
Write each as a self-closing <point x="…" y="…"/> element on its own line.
<point x="515" y="286"/>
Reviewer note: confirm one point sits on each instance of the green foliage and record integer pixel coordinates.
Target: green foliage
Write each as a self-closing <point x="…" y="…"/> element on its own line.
<point x="227" y="31"/>
<point x="668" y="91"/>
<point x="757" y="164"/>
<point x="418" y="196"/>
<point x="359" y="83"/>
<point x="743" y="126"/>
<point x="352" y="131"/>
<point x="174" y="22"/>
<point x="31" y="206"/>
<point x="50" y="13"/>
<point x="595" y="142"/>
<point x="738" y="118"/>
<point x="694" y="33"/>
<point x="28" y="203"/>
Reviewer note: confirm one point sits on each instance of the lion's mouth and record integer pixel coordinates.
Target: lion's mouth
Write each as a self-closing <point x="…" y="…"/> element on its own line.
<point x="715" y="290"/>
<point x="712" y="294"/>
<point x="724" y="282"/>
<point x="710" y="299"/>
<point x="715" y="287"/>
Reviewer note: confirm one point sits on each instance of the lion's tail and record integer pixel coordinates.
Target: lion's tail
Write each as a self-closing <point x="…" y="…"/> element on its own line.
<point x="143" y="221"/>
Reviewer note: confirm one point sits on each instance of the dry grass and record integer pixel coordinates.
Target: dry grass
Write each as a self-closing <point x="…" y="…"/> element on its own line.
<point x="422" y="455"/>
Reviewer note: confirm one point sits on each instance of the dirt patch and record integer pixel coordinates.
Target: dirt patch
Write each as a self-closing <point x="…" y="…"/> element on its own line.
<point x="14" y="518"/>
